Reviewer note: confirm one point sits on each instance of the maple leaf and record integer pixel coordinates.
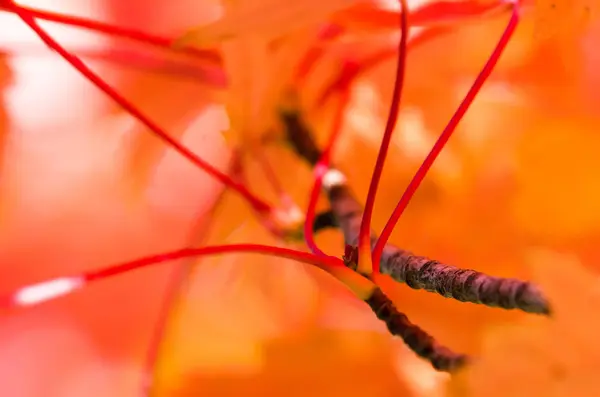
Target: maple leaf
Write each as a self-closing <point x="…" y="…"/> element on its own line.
<point x="558" y="356"/>
<point x="320" y="363"/>
<point x="563" y="20"/>
<point x="570" y="202"/>
<point x="268" y="19"/>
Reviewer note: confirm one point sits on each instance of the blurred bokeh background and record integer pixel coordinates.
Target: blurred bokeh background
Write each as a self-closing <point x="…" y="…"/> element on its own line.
<point x="83" y="185"/>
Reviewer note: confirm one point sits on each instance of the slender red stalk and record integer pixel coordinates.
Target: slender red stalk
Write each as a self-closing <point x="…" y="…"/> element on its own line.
<point x="157" y="41"/>
<point x="205" y="74"/>
<point x="174" y="287"/>
<point x="320" y="170"/>
<point x="53" y="288"/>
<point x="316" y="52"/>
<point x="445" y="135"/>
<point x="364" y="242"/>
<point x="76" y="62"/>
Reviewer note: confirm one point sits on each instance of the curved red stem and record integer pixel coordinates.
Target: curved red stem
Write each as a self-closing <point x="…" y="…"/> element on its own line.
<point x="39" y="292"/>
<point x="319" y="172"/>
<point x="445" y="135"/>
<point x="78" y="64"/>
<point x="316" y="52"/>
<point x="176" y="282"/>
<point x="157" y="41"/>
<point x="175" y="285"/>
<point x="364" y="242"/>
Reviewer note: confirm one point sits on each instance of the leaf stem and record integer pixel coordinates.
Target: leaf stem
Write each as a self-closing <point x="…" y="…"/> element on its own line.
<point x="88" y="24"/>
<point x="365" y="264"/>
<point x="53" y="288"/>
<point x="80" y="66"/>
<point x="446" y="134"/>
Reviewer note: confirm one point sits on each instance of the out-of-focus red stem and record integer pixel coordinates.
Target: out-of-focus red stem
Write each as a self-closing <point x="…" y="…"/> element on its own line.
<point x="203" y="73"/>
<point x="445" y="135"/>
<point x="300" y="256"/>
<point x="320" y="170"/>
<point x="157" y="41"/>
<point x="353" y="71"/>
<point x="76" y="62"/>
<point x="177" y="280"/>
<point x="312" y="56"/>
<point x="364" y="239"/>
<point x="174" y="287"/>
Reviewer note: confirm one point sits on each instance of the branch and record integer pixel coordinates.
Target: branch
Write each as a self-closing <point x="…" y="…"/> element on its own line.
<point x="325" y="220"/>
<point x="418" y="272"/>
<point x="419" y="341"/>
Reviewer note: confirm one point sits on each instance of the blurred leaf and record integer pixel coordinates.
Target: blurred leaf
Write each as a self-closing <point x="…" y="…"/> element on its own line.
<point x="384" y="16"/>
<point x="558" y="165"/>
<point x="563" y="19"/>
<point x="267" y="19"/>
<point x="557" y="356"/>
<point x="319" y="363"/>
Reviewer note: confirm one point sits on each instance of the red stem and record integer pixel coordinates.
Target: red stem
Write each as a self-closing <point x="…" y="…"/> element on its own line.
<point x="176" y="281"/>
<point x="157" y="41"/>
<point x="76" y="62"/>
<point x="316" y="52"/>
<point x="326" y="263"/>
<point x="287" y="253"/>
<point x="320" y="170"/>
<point x="205" y="74"/>
<point x="364" y="239"/>
<point x="445" y="136"/>
<point x="23" y="295"/>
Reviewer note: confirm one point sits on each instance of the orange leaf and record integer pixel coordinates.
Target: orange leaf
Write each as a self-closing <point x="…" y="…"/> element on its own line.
<point x="555" y="356"/>
<point x="263" y="18"/>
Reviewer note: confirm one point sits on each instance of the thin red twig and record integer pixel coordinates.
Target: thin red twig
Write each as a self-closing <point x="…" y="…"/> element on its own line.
<point x="316" y="52"/>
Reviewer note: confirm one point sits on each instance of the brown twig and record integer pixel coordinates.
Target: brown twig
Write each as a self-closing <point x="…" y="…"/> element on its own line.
<point x="398" y="324"/>
<point x="417" y="272"/>
<point x="419" y="341"/>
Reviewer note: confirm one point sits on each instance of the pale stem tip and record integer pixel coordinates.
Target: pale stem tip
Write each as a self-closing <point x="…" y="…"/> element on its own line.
<point x="47" y="290"/>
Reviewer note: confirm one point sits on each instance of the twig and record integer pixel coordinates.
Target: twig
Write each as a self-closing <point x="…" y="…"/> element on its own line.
<point x="419" y="341"/>
<point x="325" y="220"/>
<point x="417" y="272"/>
<point x="299" y="136"/>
